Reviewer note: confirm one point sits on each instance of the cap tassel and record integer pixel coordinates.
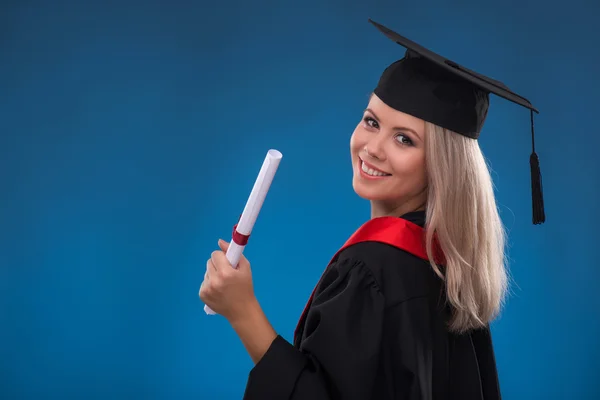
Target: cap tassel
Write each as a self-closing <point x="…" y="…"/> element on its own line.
<point x="539" y="216"/>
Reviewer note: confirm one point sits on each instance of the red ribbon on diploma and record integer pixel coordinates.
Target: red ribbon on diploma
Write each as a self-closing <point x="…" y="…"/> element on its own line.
<point x="238" y="238"/>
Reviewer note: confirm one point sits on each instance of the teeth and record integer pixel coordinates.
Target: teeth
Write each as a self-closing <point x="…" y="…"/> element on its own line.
<point x="371" y="172"/>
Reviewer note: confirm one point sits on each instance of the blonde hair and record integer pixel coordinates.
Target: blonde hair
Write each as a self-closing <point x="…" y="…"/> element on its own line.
<point x="463" y="218"/>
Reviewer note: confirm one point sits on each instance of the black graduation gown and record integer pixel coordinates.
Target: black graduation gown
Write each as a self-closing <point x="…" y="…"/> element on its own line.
<point x="376" y="329"/>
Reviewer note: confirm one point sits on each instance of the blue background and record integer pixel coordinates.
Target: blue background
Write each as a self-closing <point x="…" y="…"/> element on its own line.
<point x="131" y="136"/>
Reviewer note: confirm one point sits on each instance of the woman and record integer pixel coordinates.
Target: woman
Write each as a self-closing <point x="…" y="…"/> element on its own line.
<point x="403" y="309"/>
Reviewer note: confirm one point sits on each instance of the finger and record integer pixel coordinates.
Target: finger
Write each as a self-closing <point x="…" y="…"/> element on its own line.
<point x="219" y="260"/>
<point x="210" y="266"/>
<point x="223" y="245"/>
<point x="202" y="290"/>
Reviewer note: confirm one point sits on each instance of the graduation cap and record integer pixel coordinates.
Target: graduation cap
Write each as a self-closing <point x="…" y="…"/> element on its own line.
<point x="438" y="90"/>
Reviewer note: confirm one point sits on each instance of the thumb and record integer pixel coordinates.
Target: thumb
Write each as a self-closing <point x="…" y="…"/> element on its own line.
<point x="243" y="263"/>
<point x="223" y="245"/>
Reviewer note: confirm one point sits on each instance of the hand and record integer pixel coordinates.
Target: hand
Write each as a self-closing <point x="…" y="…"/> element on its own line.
<point x="226" y="290"/>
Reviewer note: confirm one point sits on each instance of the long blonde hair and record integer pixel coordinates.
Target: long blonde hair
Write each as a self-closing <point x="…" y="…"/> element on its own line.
<point x="463" y="217"/>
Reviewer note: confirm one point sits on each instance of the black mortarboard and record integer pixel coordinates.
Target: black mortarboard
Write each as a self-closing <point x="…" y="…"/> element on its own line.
<point x="435" y="89"/>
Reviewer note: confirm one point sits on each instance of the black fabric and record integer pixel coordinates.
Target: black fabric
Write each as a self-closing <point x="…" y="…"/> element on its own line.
<point x="377" y="329"/>
<point x="416" y="87"/>
<point x="438" y="90"/>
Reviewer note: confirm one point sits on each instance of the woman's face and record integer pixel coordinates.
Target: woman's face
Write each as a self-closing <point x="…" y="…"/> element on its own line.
<point x="388" y="159"/>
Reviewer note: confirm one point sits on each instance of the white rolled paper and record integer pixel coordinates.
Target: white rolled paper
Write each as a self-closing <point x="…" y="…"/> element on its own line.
<point x="252" y="208"/>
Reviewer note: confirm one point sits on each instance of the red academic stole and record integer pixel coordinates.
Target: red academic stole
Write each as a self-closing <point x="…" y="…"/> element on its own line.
<point x="394" y="231"/>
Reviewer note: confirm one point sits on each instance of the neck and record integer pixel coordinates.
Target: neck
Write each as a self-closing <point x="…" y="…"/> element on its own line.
<point x="379" y="209"/>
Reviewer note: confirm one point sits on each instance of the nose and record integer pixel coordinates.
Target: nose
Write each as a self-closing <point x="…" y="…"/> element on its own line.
<point x="374" y="148"/>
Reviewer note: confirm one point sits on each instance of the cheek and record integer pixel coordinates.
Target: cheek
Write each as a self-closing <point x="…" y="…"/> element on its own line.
<point x="358" y="140"/>
<point x="354" y="141"/>
<point x="420" y="172"/>
<point x="411" y="166"/>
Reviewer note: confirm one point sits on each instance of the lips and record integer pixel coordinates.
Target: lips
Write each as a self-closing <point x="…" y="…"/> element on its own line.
<point x="371" y="170"/>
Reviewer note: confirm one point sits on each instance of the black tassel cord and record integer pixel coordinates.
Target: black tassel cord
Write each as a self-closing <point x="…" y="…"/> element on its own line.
<point x="537" y="196"/>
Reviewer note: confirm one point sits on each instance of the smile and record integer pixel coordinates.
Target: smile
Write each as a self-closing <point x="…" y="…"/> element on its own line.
<point x="371" y="171"/>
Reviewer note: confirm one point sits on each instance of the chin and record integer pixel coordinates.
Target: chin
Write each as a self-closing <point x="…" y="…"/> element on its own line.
<point x="367" y="193"/>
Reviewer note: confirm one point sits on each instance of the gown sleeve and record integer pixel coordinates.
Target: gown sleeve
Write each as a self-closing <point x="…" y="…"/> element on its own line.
<point x="409" y="359"/>
<point x="340" y="350"/>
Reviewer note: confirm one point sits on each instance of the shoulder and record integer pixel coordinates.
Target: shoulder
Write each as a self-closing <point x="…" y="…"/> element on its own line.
<point x="398" y="274"/>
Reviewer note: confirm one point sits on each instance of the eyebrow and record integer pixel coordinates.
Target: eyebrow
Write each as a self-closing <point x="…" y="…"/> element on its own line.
<point x="400" y="128"/>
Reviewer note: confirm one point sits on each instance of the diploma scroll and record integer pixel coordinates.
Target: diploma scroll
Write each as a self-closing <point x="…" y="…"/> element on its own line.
<point x="251" y="210"/>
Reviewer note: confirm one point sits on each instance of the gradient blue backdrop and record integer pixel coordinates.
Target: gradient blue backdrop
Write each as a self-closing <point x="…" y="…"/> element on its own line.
<point x="131" y="136"/>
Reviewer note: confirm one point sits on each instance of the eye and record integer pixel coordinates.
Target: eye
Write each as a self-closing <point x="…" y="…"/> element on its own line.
<point x="370" y="122"/>
<point x="404" y="140"/>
